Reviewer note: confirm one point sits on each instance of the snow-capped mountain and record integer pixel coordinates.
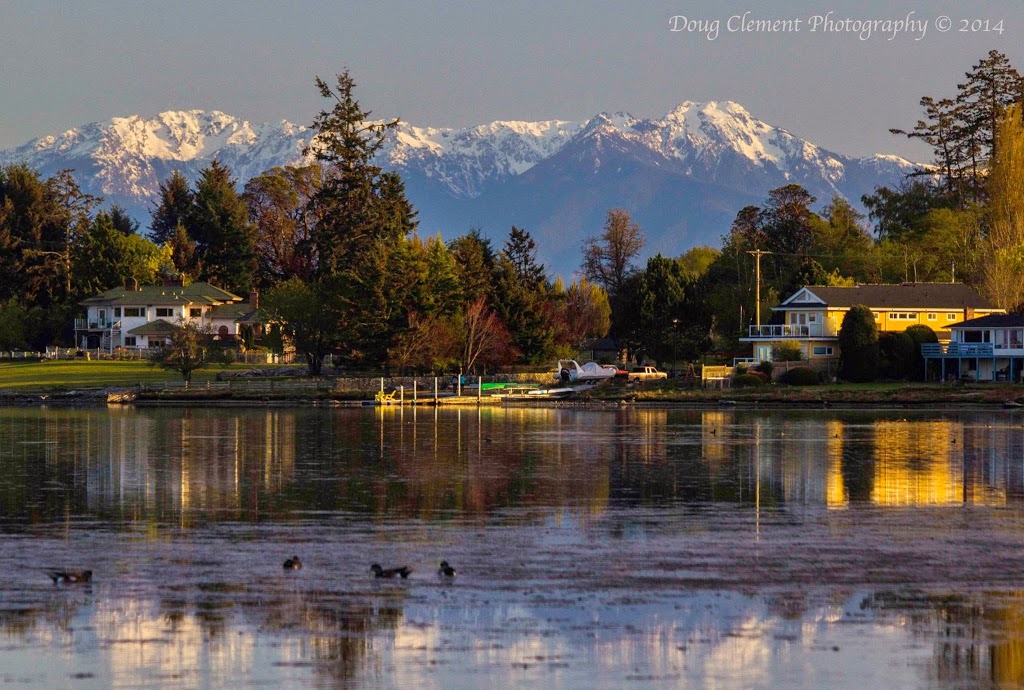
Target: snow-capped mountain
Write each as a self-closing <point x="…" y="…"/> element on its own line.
<point x="682" y="176"/>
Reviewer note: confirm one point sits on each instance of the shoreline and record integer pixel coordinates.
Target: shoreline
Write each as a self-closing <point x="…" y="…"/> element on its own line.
<point x="893" y="396"/>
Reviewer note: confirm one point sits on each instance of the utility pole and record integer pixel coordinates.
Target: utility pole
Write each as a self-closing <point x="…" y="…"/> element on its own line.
<point x="757" y="254"/>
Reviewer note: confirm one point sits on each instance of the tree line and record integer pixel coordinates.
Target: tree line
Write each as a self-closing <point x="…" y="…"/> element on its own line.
<point x="333" y="245"/>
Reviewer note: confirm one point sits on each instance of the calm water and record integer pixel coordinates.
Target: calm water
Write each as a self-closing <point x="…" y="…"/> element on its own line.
<point x="607" y="548"/>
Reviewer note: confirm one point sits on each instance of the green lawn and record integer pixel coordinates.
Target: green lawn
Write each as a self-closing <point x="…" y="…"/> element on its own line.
<point x="78" y="374"/>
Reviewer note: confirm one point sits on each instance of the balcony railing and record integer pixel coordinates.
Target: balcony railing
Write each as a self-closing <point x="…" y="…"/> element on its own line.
<point x="87" y="325"/>
<point x="788" y="330"/>
<point x="957" y="350"/>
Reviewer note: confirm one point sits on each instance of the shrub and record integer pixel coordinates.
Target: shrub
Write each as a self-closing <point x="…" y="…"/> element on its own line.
<point x="920" y="334"/>
<point x="801" y="376"/>
<point x="858" y="340"/>
<point x="896" y="353"/>
<point x="766" y="368"/>
<point x="759" y="374"/>
<point x="747" y="381"/>
<point x="787" y="351"/>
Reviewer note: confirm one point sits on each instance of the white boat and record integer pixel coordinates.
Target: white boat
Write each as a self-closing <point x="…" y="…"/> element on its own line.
<point x="570" y="371"/>
<point x="525" y="393"/>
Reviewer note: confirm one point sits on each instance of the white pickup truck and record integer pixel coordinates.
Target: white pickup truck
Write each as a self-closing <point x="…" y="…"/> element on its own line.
<point x="646" y="374"/>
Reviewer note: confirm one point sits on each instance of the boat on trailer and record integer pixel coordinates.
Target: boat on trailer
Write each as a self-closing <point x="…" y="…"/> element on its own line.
<point x="570" y="371"/>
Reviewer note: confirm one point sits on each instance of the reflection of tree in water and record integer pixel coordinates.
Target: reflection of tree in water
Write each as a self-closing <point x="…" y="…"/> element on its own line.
<point x="258" y="465"/>
<point x="336" y="630"/>
<point x="333" y="629"/>
<point x="978" y="640"/>
<point x="56" y="613"/>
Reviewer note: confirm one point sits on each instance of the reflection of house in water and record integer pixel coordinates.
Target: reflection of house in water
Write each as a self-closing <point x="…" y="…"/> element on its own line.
<point x="161" y="463"/>
<point x="914" y="463"/>
<point x="154" y="644"/>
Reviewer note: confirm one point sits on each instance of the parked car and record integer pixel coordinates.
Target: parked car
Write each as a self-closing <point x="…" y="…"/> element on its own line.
<point x="646" y="374"/>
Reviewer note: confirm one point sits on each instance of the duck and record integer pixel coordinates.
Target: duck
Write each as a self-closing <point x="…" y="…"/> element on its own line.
<point x="445" y="570"/>
<point x="402" y="572"/>
<point x="293" y="563"/>
<point x="68" y="577"/>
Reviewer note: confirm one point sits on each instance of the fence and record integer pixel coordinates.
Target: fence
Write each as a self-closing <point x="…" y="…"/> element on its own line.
<point x="247" y="386"/>
<point x="128" y="354"/>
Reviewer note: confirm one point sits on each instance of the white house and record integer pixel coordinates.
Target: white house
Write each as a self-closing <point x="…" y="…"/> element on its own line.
<point x="143" y="316"/>
<point x="990" y="348"/>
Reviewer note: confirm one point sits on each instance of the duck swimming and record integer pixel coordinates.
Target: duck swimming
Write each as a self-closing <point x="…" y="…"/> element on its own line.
<point x="68" y="577"/>
<point x="445" y="570"/>
<point x="402" y="572"/>
<point x="293" y="563"/>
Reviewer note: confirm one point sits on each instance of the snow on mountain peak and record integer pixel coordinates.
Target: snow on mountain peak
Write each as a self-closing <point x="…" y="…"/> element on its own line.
<point x="125" y="158"/>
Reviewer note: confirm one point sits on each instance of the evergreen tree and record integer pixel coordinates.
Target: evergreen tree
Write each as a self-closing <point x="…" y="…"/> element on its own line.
<point x="349" y="204"/>
<point x="962" y="130"/>
<point x="858" y="343"/>
<point x="521" y="297"/>
<point x="173" y="208"/>
<point x="183" y="253"/>
<point x="475" y="261"/>
<point x="992" y="85"/>
<point x="219" y="226"/>
<point x="122" y="222"/>
<point x="520" y="253"/>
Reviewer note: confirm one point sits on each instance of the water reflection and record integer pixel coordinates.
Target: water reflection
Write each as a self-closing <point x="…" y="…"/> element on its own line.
<point x="666" y="547"/>
<point x="822" y="637"/>
<point x="197" y="466"/>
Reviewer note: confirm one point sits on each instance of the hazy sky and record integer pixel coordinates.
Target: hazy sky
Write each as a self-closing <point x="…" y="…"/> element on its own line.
<point x="455" y="63"/>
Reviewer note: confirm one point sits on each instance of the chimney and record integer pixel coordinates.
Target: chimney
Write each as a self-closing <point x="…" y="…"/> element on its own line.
<point x="254" y="300"/>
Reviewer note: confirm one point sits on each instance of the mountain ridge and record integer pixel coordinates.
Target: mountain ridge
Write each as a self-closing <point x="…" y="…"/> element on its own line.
<point x="492" y="175"/>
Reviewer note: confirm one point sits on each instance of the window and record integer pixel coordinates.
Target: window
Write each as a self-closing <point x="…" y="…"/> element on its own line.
<point x="195" y="312"/>
<point x="132" y="311"/>
<point x="164" y="311"/>
<point x="932" y="317"/>
<point x="903" y="316"/>
<point x="117" y="312"/>
<point x="157" y="342"/>
<point x="129" y="341"/>
<point x="822" y="350"/>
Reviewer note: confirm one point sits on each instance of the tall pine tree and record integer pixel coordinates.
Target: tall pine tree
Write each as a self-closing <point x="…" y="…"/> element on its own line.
<point x="219" y="226"/>
<point x="173" y="208"/>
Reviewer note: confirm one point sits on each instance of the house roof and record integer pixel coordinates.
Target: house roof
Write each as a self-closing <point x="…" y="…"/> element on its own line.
<point x="158" y="327"/>
<point x="904" y="296"/>
<point x="242" y="312"/>
<point x="194" y="293"/>
<point x="993" y="321"/>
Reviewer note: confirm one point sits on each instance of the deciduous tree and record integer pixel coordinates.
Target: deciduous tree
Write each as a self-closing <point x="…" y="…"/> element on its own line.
<point x="185" y="352"/>
<point x="608" y="260"/>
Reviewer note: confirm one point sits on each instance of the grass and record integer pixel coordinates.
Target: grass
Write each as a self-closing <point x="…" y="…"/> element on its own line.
<point x="50" y="375"/>
<point x="898" y="393"/>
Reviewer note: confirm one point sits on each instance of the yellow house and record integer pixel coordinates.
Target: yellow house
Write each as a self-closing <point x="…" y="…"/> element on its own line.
<point x="813" y="315"/>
